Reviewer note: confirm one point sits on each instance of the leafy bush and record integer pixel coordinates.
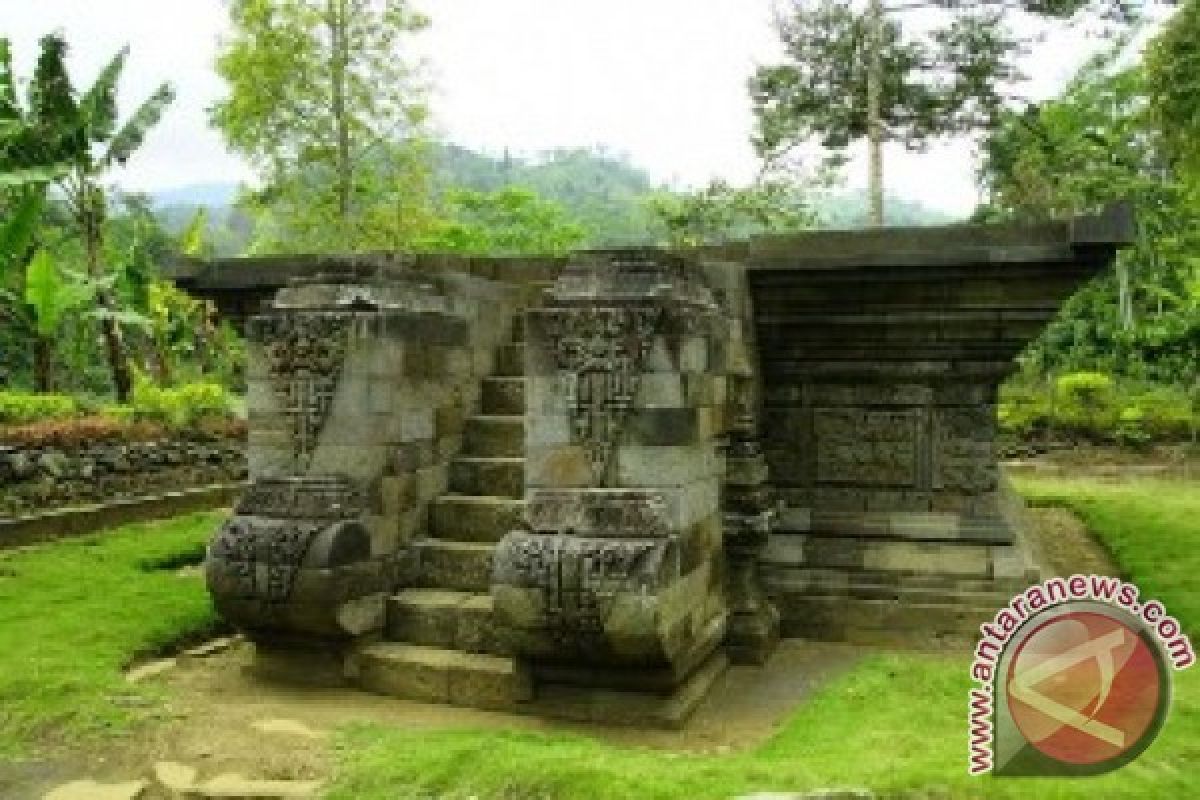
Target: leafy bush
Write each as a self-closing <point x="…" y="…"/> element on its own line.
<point x="1091" y="405"/>
<point x="1168" y="412"/>
<point x="18" y="408"/>
<point x="179" y="406"/>
<point x="1131" y="428"/>
<point x="1090" y="389"/>
<point x="1085" y="401"/>
<point x="1024" y="410"/>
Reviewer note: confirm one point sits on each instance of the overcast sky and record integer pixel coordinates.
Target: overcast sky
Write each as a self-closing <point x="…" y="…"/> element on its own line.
<point x="663" y="81"/>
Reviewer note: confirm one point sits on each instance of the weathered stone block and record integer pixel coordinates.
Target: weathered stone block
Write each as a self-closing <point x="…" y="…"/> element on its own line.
<point x="471" y="518"/>
<point x="503" y="396"/>
<point x="663" y="426"/>
<point x="461" y="566"/>
<point x="660" y="390"/>
<point x="547" y="430"/>
<point x="563" y="466"/>
<point x="667" y="465"/>
<point x="500" y="477"/>
<point x="928" y="557"/>
<point x="495" y="436"/>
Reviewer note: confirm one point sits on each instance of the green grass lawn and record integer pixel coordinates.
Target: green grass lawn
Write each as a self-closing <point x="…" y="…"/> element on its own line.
<point x="75" y="612"/>
<point x="1152" y="528"/>
<point x="895" y="724"/>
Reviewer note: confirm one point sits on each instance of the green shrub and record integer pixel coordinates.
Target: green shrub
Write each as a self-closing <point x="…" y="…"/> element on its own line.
<point x="179" y="406"/>
<point x="1168" y="412"/>
<point x="1023" y="410"/>
<point x="19" y="408"/>
<point x="1131" y="427"/>
<point x="1094" y="406"/>
<point x="1085" y="403"/>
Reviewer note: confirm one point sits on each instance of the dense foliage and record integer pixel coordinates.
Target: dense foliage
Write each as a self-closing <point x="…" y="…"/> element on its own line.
<point x="1096" y="144"/>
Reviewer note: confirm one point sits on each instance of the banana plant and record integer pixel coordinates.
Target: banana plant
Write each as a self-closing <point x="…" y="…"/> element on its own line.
<point x="73" y="140"/>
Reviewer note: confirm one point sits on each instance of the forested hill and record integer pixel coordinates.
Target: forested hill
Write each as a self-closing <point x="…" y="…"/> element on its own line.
<point x="605" y="192"/>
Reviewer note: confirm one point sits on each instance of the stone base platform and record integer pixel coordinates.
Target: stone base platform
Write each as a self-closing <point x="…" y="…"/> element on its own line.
<point x="897" y="579"/>
<point x="436" y="675"/>
<point x="499" y="683"/>
<point x="668" y="710"/>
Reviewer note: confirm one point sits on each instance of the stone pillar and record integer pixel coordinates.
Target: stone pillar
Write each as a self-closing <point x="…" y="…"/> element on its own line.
<point x="748" y="504"/>
<point x="339" y="384"/>
<point x="616" y="578"/>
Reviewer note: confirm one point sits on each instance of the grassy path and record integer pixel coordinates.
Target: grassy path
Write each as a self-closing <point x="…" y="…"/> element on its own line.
<point x="75" y="612"/>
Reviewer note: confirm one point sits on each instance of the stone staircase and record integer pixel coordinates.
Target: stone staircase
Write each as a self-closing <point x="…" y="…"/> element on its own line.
<point x="439" y="644"/>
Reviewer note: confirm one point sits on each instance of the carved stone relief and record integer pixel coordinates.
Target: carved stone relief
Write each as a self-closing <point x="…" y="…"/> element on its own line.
<point x="305" y="353"/>
<point x="583" y="552"/>
<point x="602" y="350"/>
<point x="259" y="551"/>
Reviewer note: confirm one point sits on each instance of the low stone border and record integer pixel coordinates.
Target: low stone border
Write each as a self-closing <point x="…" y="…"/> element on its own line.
<point x="63" y="522"/>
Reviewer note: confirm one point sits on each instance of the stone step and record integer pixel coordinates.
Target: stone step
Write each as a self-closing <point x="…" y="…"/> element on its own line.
<point x="495" y="436"/>
<point x="440" y="618"/>
<point x="503" y="395"/>
<point x="510" y="360"/>
<point x="438" y="675"/>
<point x="798" y="577"/>
<point x="872" y="621"/>
<point x="474" y="518"/>
<point x="457" y="566"/>
<point x="840" y="585"/>
<point x="498" y="477"/>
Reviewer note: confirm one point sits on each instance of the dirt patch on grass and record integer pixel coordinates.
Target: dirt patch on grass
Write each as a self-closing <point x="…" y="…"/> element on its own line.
<point x="1115" y="464"/>
<point x="221" y="718"/>
<point x="1065" y="545"/>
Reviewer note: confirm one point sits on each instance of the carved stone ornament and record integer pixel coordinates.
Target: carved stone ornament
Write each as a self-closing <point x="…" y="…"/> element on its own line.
<point x="586" y="550"/>
<point x="601" y="350"/>
<point x="258" y="553"/>
<point x="579" y="579"/>
<point x="311" y="497"/>
<point x="305" y="352"/>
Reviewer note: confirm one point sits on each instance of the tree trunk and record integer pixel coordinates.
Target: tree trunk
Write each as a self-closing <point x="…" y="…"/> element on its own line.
<point x="43" y="364"/>
<point x="114" y="343"/>
<point x="338" y="25"/>
<point x="1124" y="295"/>
<point x="875" y="113"/>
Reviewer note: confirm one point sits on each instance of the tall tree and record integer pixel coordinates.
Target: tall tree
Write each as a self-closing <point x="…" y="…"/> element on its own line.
<point x="320" y="100"/>
<point x="1095" y="144"/>
<point x="79" y="137"/>
<point x="852" y="74"/>
<point x="1173" y="83"/>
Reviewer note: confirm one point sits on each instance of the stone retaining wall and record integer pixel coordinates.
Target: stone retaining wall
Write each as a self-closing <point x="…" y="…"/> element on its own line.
<point x="35" y="480"/>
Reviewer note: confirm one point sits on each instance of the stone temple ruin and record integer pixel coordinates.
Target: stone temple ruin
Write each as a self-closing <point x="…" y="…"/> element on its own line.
<point x="582" y="486"/>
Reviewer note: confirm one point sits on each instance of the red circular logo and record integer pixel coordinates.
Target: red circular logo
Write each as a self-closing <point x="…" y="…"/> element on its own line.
<point x="1085" y="688"/>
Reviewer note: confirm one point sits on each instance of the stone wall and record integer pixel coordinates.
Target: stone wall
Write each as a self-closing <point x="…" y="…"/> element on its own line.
<point x="628" y="368"/>
<point x="400" y="385"/>
<point x="39" y="479"/>
<point x="360" y="380"/>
